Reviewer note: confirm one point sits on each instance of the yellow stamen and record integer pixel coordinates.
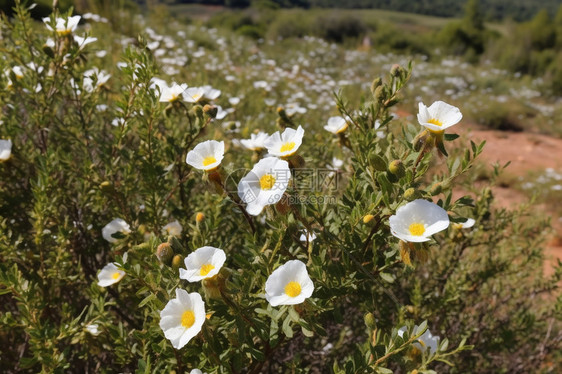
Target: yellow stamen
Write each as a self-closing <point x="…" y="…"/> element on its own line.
<point x="196" y="97"/>
<point x="205" y="269"/>
<point x="267" y="182"/>
<point x="209" y="160"/>
<point x="435" y="122"/>
<point x="287" y="146"/>
<point x="343" y="128"/>
<point x="187" y="319"/>
<point x="116" y="275"/>
<point x="416" y="229"/>
<point x="293" y="289"/>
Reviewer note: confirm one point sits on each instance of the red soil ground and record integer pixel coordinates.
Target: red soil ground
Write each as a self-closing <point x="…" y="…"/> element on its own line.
<point x="528" y="153"/>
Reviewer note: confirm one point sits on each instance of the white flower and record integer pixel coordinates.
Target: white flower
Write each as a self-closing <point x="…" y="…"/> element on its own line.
<point x="93" y="328"/>
<point x="194" y="94"/>
<point x="5" y="149"/>
<point x="289" y="284"/>
<point x="438" y="116"/>
<point x="206" y="155"/>
<point x="285" y="144"/>
<point x="336" y="125"/>
<point x="101" y="78"/>
<point x="63" y="26"/>
<point x="182" y="318"/>
<point x="196" y="371"/>
<point x="336" y="163"/>
<point x="113" y="227"/>
<point x="307" y="236"/>
<point x="293" y="108"/>
<point x="82" y="42"/>
<point x="169" y="94"/>
<point x="418" y="220"/>
<point x="234" y="100"/>
<point x="265" y="184"/>
<point x="221" y="113"/>
<point x="173" y="228"/>
<point x="425" y="342"/>
<point x="18" y="72"/>
<point x="210" y="92"/>
<point x="256" y="141"/>
<point x="205" y="262"/>
<point x="465" y="225"/>
<point x="109" y="275"/>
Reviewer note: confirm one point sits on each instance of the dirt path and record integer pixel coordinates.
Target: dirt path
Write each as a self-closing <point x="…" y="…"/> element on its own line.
<point x="528" y="153"/>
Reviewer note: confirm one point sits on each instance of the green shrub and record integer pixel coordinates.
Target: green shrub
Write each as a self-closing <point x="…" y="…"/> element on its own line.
<point x="86" y="152"/>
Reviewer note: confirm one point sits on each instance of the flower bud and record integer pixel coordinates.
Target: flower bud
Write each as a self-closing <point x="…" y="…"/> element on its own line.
<point x="370" y="321"/>
<point x="176" y="244"/>
<point x="368" y="218"/>
<point x="396" y="70"/>
<point x="422" y="140"/>
<point x="199" y="217"/>
<point x="396" y="167"/>
<point x="212" y="286"/>
<point x="410" y="194"/>
<point x="164" y="252"/>
<point x="376" y="83"/>
<point x="379" y="94"/>
<point x="377" y="162"/>
<point x="106" y="186"/>
<point x="436" y="189"/>
<point x="177" y="262"/>
<point x="210" y="110"/>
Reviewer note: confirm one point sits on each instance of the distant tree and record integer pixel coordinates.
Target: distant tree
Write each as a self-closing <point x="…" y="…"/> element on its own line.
<point x="473" y="16"/>
<point x="237" y="3"/>
<point x="558" y="26"/>
<point x="542" y="31"/>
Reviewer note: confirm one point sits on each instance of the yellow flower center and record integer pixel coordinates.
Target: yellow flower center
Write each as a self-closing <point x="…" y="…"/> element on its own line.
<point x="435" y="122"/>
<point x="416" y="229"/>
<point x="205" y="269"/>
<point x="287" y="146"/>
<point x="116" y="275"/>
<point x="196" y="97"/>
<point x="209" y="160"/>
<point x="267" y="182"/>
<point x="187" y="319"/>
<point x="293" y="289"/>
<point x="343" y="128"/>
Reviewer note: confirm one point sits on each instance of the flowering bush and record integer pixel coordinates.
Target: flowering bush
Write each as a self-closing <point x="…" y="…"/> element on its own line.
<point x="137" y="235"/>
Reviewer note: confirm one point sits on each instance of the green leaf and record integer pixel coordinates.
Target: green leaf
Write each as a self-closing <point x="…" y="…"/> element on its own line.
<point x="441" y="148"/>
<point x="147" y="300"/>
<point x="389" y="278"/>
<point x="307" y="332"/>
<point x="451" y="137"/>
<point x="287" y="328"/>
<point x="384" y="370"/>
